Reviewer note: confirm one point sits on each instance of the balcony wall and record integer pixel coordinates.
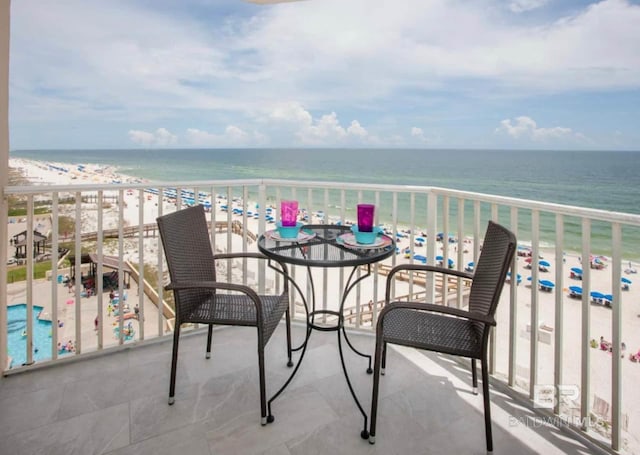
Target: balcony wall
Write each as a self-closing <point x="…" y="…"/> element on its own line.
<point x="553" y="365"/>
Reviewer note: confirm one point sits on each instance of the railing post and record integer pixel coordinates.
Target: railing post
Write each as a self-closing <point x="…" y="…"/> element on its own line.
<point x="432" y="220"/>
<point x="616" y="322"/>
<point x="100" y="269"/>
<point x="78" y="273"/>
<point x="513" y="307"/>
<point x="262" y="203"/>
<point x="585" y="372"/>
<point x="533" y="340"/>
<point x="29" y="265"/>
<point x="141" y="277"/>
<point x="460" y="256"/>
<point x="54" y="275"/>
<point x="492" y="332"/>
<point x="5" y="23"/>
<point x="559" y="310"/>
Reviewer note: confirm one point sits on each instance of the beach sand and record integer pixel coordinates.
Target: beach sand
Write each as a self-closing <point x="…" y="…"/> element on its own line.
<point x="601" y="280"/>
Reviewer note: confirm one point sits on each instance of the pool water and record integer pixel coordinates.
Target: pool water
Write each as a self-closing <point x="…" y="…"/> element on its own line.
<point x="17" y="343"/>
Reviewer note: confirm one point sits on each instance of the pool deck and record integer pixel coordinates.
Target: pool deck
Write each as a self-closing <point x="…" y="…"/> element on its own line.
<point x="68" y="314"/>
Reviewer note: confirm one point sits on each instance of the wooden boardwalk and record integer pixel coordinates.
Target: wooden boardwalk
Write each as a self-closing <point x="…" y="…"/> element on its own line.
<point x="150" y="230"/>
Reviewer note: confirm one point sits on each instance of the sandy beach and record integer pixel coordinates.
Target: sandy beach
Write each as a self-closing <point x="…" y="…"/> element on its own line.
<point x="601" y="280"/>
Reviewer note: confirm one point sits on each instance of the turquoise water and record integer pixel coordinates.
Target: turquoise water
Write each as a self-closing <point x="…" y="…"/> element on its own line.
<point x="606" y="180"/>
<point x="17" y="343"/>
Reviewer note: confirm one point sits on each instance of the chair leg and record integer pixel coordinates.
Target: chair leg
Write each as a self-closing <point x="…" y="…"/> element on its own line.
<point x="487" y="411"/>
<point x="384" y="358"/>
<point x="209" y="338"/>
<point x="474" y="376"/>
<point x="174" y="365"/>
<point x="288" y="322"/>
<point x="379" y="359"/>
<point x="263" y="388"/>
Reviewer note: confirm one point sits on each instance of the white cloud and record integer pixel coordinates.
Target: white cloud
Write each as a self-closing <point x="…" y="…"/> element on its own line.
<point x="325" y="130"/>
<point x="417" y="132"/>
<point x="355" y="129"/>
<point x="520" y="6"/>
<point x="160" y="138"/>
<point x="291" y="112"/>
<point x="524" y="127"/>
<point x="232" y="136"/>
<point x="145" y="63"/>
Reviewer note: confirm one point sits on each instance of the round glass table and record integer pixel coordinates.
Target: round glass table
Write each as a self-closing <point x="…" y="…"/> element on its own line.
<point x="322" y="246"/>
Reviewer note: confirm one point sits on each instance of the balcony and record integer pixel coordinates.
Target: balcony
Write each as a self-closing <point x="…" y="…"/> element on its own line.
<point x="107" y="392"/>
<point x="117" y="404"/>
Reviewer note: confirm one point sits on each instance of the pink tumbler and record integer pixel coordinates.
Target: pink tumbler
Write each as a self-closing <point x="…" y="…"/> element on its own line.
<point x="289" y="213"/>
<point x="365" y="217"/>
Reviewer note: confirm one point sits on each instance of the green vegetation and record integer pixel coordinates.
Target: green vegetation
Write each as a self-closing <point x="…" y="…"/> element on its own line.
<point x="19" y="273"/>
<point x="66" y="226"/>
<point x="17" y="210"/>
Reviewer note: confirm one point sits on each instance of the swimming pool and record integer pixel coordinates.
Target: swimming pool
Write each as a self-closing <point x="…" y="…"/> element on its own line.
<point x="17" y="343"/>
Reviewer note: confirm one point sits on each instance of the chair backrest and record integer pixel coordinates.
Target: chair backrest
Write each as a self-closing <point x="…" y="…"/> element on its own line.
<point x="187" y="248"/>
<point x="497" y="254"/>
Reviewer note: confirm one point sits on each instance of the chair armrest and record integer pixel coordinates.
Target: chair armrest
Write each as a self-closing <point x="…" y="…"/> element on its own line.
<point x="245" y="254"/>
<point x="479" y="317"/>
<point x="214" y="285"/>
<point x="422" y="268"/>
<point x="429" y="268"/>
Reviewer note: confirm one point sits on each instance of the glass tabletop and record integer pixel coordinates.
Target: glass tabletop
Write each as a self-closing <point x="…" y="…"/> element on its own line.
<point x="325" y="245"/>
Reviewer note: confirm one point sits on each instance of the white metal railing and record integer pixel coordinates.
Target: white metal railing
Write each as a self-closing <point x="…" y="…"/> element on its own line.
<point x="518" y="344"/>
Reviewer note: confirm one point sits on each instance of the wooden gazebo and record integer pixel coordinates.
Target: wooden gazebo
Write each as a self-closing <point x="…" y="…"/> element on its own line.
<point x="20" y="243"/>
<point x="110" y="279"/>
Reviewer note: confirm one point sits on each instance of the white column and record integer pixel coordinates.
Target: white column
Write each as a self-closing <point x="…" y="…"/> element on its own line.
<point x="4" y="170"/>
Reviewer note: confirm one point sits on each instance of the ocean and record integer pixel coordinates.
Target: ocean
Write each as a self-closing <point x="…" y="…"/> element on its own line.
<point x="608" y="180"/>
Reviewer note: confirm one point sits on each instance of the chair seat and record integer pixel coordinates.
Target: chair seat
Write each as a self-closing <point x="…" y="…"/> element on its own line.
<point x="238" y="309"/>
<point x="433" y="332"/>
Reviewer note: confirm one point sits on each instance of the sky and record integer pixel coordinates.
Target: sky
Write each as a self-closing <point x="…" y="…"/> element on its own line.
<point x="504" y="74"/>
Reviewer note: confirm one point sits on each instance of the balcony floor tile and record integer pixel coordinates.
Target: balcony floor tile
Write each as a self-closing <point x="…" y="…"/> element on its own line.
<point x="117" y="404"/>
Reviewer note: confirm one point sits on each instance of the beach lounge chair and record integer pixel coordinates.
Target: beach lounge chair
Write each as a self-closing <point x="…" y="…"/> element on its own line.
<point x="445" y="329"/>
<point x="201" y="299"/>
<point x="575" y="292"/>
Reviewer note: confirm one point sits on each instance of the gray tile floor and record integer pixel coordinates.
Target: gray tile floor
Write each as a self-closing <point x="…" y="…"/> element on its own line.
<point x="117" y="404"/>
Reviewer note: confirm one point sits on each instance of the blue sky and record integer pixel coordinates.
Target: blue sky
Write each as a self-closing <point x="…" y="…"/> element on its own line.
<point x="509" y="74"/>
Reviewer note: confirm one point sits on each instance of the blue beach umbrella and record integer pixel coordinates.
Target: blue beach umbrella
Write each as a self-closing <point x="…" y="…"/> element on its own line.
<point x="575" y="289"/>
<point x="547" y="283"/>
<point x="597" y="295"/>
<point x="420" y="258"/>
<point x="544" y="263"/>
<point x="576" y="270"/>
<point x="529" y="278"/>
<point x="518" y="277"/>
<point x="625" y="280"/>
<point x="420" y="239"/>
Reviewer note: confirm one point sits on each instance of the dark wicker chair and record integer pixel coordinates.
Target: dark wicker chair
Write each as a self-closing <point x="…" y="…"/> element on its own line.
<point x="445" y="329"/>
<point x="200" y="298"/>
